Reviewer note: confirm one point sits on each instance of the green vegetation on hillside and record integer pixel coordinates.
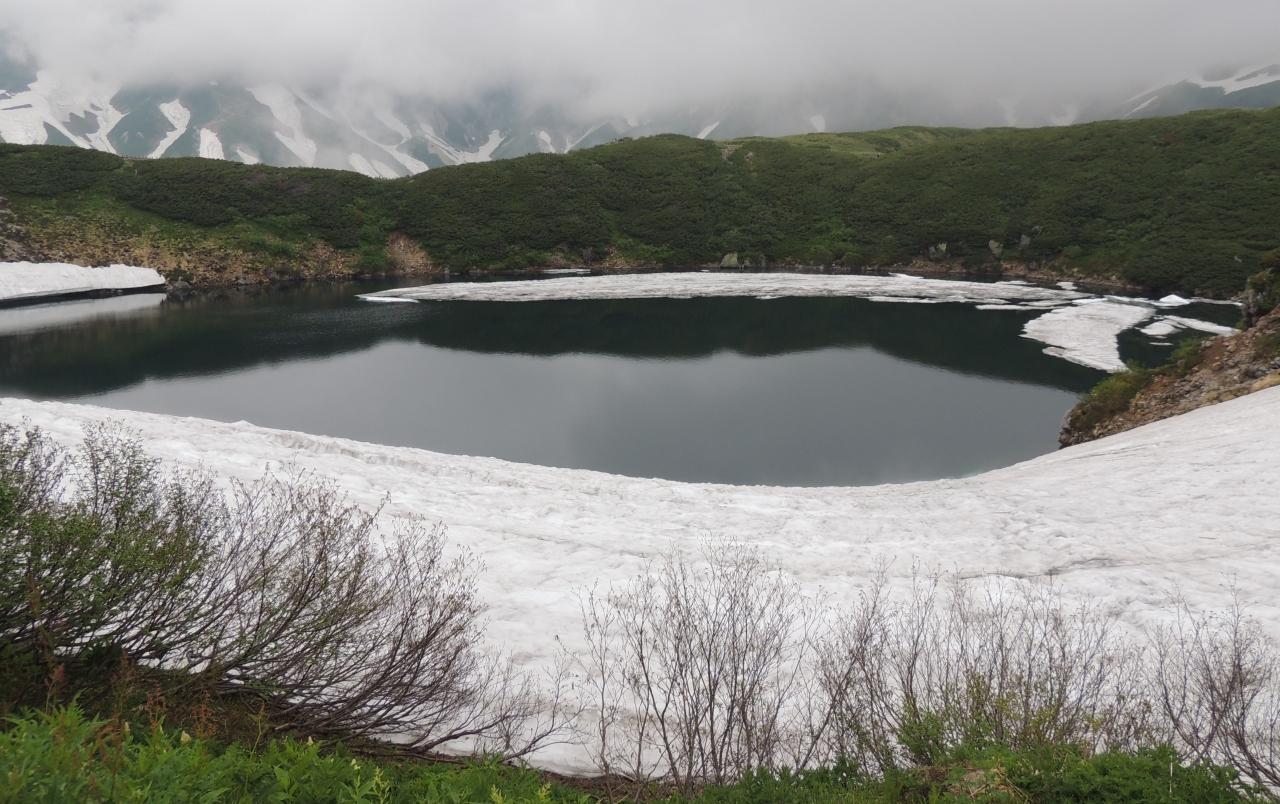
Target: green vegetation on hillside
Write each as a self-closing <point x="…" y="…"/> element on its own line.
<point x="1187" y="203"/>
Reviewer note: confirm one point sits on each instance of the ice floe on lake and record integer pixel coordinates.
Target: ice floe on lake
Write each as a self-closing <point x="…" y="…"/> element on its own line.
<point x="1190" y="502"/>
<point x="1086" y="333"/>
<point x="33" y="280"/>
<point x="1078" y="327"/>
<point x="898" y="287"/>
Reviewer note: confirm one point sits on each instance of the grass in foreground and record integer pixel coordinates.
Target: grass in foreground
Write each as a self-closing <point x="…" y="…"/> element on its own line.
<point x="63" y="756"/>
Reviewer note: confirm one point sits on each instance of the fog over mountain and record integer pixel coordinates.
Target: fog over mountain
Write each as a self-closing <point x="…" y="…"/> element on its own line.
<point x="395" y="86"/>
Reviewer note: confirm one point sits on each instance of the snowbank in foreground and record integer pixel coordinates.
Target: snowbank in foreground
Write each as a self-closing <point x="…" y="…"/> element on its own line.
<point x="33" y="280"/>
<point x="1191" y="501"/>
<point x="1076" y="327"/>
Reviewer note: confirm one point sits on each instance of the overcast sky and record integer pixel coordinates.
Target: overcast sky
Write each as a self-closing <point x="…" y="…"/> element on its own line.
<point x="627" y="56"/>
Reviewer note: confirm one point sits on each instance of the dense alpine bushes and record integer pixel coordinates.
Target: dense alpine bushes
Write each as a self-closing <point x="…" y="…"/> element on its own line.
<point x="1186" y="203"/>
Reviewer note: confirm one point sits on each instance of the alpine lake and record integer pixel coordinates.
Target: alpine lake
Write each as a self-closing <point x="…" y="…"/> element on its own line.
<point x="787" y="391"/>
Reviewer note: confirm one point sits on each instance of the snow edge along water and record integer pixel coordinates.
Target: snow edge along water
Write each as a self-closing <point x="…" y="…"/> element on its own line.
<point x="1075" y="326"/>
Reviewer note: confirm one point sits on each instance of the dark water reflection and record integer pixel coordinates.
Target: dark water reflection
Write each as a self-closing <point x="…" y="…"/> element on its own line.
<point x="786" y="391"/>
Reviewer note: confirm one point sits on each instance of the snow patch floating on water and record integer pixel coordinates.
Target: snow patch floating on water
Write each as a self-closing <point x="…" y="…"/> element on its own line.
<point x="702" y="285"/>
<point x="1194" y="497"/>
<point x="1202" y="326"/>
<point x="1160" y="328"/>
<point x="383" y="299"/>
<point x="1085" y="333"/>
<point x="1168" y="324"/>
<point x="33" y="280"/>
<point x="1077" y="327"/>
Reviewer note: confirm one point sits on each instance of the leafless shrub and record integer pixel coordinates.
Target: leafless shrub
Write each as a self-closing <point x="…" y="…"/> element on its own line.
<point x="282" y="590"/>
<point x="1013" y="665"/>
<point x="112" y="564"/>
<point x="1218" y="685"/>
<point x="698" y="669"/>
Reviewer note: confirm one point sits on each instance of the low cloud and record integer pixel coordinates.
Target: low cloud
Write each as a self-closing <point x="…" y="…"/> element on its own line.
<point x="621" y="57"/>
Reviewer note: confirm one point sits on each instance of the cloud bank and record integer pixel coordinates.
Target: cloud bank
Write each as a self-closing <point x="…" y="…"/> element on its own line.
<point x="635" y="56"/>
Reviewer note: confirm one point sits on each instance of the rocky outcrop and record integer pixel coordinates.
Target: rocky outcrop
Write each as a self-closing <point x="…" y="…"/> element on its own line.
<point x="212" y="262"/>
<point x="1225" y="368"/>
<point x="13" y="236"/>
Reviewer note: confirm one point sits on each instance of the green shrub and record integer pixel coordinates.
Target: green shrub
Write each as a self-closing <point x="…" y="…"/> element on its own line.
<point x="63" y="756"/>
<point x="1180" y="203"/>
<point x="1110" y="397"/>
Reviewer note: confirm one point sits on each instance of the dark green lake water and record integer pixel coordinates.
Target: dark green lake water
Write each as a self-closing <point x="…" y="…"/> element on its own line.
<point x="783" y="391"/>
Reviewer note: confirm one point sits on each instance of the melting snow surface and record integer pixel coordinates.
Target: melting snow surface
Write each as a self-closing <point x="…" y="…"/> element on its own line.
<point x="31" y="280"/>
<point x="1191" y="501"/>
<point x="1083" y="331"/>
<point x="1077" y="326"/>
<point x="697" y="284"/>
<point x="1086" y="333"/>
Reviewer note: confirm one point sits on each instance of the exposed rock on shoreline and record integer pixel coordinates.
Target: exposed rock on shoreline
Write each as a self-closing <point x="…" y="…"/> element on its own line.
<point x="1223" y="368"/>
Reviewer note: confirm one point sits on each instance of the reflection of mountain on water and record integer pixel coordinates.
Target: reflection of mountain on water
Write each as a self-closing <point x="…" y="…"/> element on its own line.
<point x="209" y="336"/>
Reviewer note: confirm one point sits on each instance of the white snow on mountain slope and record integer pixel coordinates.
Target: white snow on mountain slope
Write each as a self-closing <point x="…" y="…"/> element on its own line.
<point x="819" y="123"/>
<point x="1083" y="331"/>
<point x="246" y="157"/>
<point x="1189" y="502"/>
<point x="544" y="143"/>
<point x="1247" y="78"/>
<point x="24" y="114"/>
<point x="31" y="280"/>
<point x="392" y="122"/>
<point x="574" y="142"/>
<point x="372" y="168"/>
<point x="284" y="107"/>
<point x="179" y="117"/>
<point x="210" y="145"/>
<point x="457" y="156"/>
<point x="1144" y="104"/>
<point x="706" y="132"/>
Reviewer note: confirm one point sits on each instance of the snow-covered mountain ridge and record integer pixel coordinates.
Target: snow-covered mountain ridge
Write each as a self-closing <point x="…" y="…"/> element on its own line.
<point x="385" y="136"/>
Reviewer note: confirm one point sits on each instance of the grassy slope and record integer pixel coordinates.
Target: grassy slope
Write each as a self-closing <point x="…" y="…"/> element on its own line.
<point x="1187" y="203"/>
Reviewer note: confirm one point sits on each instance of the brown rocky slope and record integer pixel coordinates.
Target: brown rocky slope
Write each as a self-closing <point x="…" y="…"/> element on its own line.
<point x="1200" y="374"/>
